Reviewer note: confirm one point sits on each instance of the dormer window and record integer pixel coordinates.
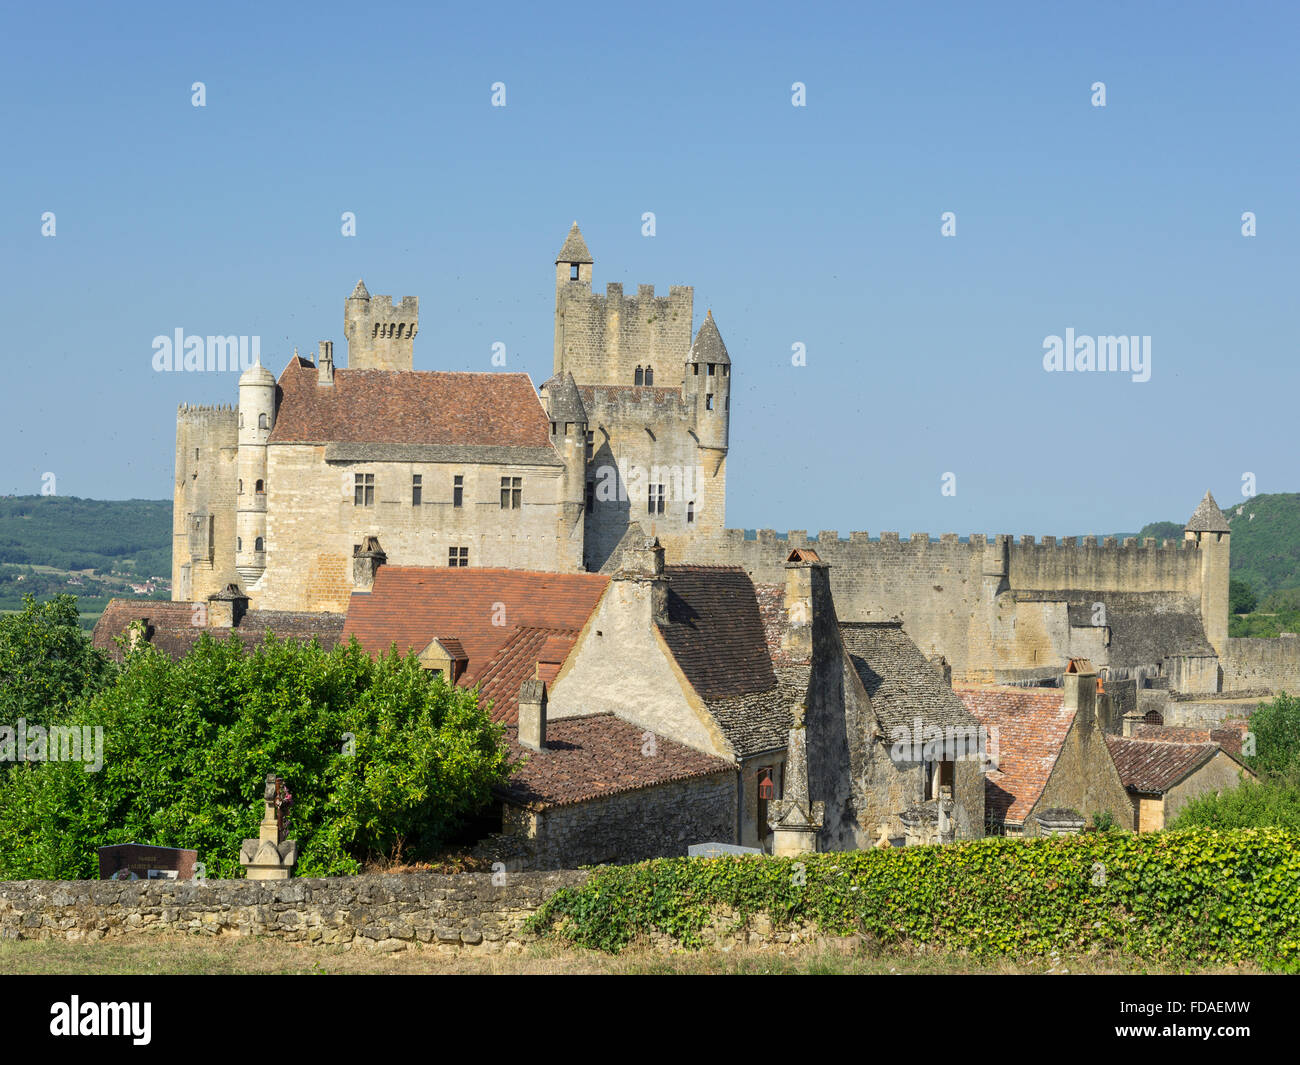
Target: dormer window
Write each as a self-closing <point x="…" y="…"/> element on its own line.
<point x="640" y="376"/>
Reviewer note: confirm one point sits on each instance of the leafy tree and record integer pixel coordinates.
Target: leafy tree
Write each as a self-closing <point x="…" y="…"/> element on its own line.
<point x="383" y="759"/>
<point x="46" y="661"/>
<point x="1252" y="804"/>
<point x="1276" y="727"/>
<point x="1241" y="597"/>
<point x="1162" y="530"/>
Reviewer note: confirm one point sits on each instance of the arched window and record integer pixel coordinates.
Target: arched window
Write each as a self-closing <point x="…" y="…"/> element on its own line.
<point x="257" y="544"/>
<point x="1152" y="717"/>
<point x="261" y="487"/>
<point x="261" y="422"/>
<point x="649" y="375"/>
<point x="640" y="376"/>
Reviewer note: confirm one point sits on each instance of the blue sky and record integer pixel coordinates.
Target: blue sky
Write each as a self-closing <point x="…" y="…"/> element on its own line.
<point x="817" y="225"/>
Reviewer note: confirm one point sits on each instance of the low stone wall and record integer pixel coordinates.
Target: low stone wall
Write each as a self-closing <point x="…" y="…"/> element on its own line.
<point x="461" y="912"/>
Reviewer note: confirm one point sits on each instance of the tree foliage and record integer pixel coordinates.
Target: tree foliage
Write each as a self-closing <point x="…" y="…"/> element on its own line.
<point x="383" y="760"/>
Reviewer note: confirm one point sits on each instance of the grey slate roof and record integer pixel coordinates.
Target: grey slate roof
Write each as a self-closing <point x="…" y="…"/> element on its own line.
<point x="360" y="292"/>
<point x="1145" y="627"/>
<point x="708" y="346"/>
<point x="1208" y="517"/>
<point x="756" y="722"/>
<point x="563" y="401"/>
<point x="575" y="248"/>
<point x="900" y="681"/>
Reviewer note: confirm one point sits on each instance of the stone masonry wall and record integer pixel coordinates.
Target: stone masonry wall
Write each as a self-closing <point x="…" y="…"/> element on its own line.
<point x="386" y="913"/>
<point x="1262" y="663"/>
<point x="947" y="592"/>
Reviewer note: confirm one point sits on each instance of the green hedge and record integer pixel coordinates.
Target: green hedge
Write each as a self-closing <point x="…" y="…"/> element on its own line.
<point x="1205" y="896"/>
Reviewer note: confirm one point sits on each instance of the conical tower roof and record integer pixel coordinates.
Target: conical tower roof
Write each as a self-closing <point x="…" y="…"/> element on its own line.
<point x="575" y="248"/>
<point x="1208" y="517"/>
<point x="708" y="346"/>
<point x="563" y="400"/>
<point x="360" y="292"/>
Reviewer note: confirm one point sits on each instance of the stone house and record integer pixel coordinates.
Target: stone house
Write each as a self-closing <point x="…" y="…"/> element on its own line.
<point x="1162" y="775"/>
<point x="599" y="789"/>
<point x="174" y="628"/>
<point x="1048" y="752"/>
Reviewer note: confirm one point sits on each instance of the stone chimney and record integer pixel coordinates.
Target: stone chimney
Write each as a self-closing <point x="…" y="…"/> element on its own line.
<point x="532" y="714"/>
<point x="325" y="364"/>
<point x="227" y="607"/>
<point x="643" y="561"/>
<point x="1081" y="692"/>
<point x="367" y="557"/>
<point x="807" y="602"/>
<point x="942" y="667"/>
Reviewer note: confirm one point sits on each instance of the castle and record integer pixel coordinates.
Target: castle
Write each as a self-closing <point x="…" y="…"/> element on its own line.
<point x="281" y="494"/>
<point x="296" y="494"/>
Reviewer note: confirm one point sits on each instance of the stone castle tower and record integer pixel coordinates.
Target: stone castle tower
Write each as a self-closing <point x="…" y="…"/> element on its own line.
<point x="380" y="336"/>
<point x="657" y="407"/>
<point x="1209" y="529"/>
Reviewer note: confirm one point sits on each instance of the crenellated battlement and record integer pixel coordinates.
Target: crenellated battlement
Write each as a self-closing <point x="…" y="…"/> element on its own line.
<point x="976" y="541"/>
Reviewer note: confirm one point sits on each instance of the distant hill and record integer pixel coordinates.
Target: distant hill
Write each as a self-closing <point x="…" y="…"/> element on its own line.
<point x="47" y="543"/>
<point x="1265" y="540"/>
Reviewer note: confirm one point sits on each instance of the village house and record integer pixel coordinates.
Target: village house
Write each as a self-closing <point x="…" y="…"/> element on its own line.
<point x="1163" y="775"/>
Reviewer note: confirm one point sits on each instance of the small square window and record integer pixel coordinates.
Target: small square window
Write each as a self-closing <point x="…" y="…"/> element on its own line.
<point x="458" y="556"/>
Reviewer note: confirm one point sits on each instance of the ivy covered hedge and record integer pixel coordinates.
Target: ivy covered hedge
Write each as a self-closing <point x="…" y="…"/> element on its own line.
<point x="1202" y="896"/>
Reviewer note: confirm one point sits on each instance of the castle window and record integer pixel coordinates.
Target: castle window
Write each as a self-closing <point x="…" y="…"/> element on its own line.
<point x="552" y="428"/>
<point x="257" y="544"/>
<point x="649" y="375"/>
<point x="591" y="495"/>
<point x="656" y="499"/>
<point x="196" y="452"/>
<point x="639" y="379"/>
<point x="363" y="490"/>
<point x="695" y="369"/>
<point x="724" y="369"/>
<point x="708" y="401"/>
<point x="458" y="490"/>
<point x="726" y="403"/>
<point x="511" y="491"/>
<point x="241" y="419"/>
<point x="690" y="512"/>
<point x="573" y="271"/>
<point x="591" y="444"/>
<point x="417" y="488"/>
<point x="711" y="369"/>
<point x="458" y="556"/>
<point x="260" y="488"/>
<point x="261" y="421"/>
<point x="239" y="543"/>
<point x="241" y="486"/>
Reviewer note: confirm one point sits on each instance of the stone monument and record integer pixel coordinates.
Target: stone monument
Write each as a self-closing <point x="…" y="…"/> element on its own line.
<point x="270" y="856"/>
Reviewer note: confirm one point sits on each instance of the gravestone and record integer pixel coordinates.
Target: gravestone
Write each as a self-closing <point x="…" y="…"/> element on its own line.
<point x="270" y="856"/>
<point x="141" y="861"/>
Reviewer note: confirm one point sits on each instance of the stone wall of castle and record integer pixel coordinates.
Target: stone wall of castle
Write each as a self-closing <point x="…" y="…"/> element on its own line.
<point x="951" y="596"/>
<point x="313" y="523"/>
<point x="1262" y="663"/>
<point x="642" y="437"/>
<point x="601" y="340"/>
<point x="203" y="504"/>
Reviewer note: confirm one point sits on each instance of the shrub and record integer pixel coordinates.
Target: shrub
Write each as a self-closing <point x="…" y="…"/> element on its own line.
<point x="1204" y="896"/>
<point x="187" y="746"/>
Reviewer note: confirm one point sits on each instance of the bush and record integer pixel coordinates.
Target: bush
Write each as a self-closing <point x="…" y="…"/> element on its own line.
<point x="1203" y="896"/>
<point x="1276" y="728"/>
<point x="187" y="746"/>
<point x="1252" y="804"/>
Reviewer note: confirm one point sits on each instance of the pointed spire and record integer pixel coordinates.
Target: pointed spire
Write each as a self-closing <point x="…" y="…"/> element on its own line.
<point x="563" y="400"/>
<point x="1208" y="517"/>
<point x="360" y="293"/>
<point x="708" y="346"/>
<point x="575" y="248"/>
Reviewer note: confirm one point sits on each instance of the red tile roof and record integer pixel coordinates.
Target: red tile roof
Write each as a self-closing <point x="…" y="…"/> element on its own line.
<point x="1031" y="725"/>
<point x="505" y="620"/>
<point x="1155" y="766"/>
<point x="596" y="756"/>
<point x="409" y="407"/>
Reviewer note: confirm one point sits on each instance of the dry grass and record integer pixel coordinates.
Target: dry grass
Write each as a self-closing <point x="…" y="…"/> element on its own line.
<point x="184" y="954"/>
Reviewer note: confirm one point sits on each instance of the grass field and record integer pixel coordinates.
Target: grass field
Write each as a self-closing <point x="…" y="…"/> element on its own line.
<point x="182" y="954"/>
